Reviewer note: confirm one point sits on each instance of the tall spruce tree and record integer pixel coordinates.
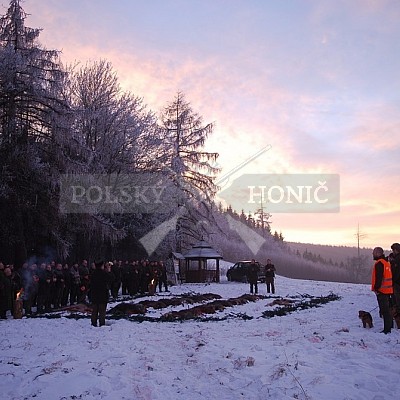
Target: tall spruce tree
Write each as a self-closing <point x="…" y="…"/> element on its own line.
<point x="32" y="124"/>
<point x="191" y="168"/>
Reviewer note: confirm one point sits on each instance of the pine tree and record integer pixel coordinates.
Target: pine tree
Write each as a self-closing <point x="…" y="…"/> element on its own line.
<point x="33" y="123"/>
<point x="188" y="166"/>
<point x="31" y="81"/>
<point x="263" y="218"/>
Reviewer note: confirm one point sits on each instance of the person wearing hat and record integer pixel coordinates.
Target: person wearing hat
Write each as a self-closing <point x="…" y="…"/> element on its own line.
<point x="99" y="286"/>
<point x="382" y="286"/>
<point x="252" y="276"/>
<point x="270" y="276"/>
<point x="395" y="264"/>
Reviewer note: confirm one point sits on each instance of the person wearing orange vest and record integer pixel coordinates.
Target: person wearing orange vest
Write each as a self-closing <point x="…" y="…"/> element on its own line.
<point x="382" y="285"/>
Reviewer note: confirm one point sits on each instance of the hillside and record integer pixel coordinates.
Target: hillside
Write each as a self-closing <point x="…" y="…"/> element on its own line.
<point x="337" y="254"/>
<point x="240" y="240"/>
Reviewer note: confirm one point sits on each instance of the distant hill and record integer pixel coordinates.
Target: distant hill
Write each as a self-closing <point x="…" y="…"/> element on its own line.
<point x="238" y="237"/>
<point x="338" y="254"/>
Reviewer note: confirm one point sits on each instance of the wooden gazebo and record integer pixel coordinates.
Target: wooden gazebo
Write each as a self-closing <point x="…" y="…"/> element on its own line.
<point x="196" y="267"/>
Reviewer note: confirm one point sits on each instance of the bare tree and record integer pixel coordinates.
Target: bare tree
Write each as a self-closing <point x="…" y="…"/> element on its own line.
<point x="120" y="137"/>
<point x="115" y="126"/>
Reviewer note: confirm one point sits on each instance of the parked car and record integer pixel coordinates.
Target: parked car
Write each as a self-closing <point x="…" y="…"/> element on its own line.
<point x="238" y="272"/>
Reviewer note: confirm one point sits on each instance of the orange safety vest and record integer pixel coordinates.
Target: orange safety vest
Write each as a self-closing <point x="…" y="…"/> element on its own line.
<point x="387" y="284"/>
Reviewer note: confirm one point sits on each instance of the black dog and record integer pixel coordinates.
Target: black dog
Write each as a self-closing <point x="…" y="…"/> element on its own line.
<point x="366" y="318"/>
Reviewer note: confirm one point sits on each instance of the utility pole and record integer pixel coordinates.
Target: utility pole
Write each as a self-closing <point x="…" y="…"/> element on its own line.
<point x="359" y="236"/>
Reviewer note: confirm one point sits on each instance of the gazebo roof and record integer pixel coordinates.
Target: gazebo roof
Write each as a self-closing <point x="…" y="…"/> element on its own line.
<point x="177" y="255"/>
<point x="202" y="250"/>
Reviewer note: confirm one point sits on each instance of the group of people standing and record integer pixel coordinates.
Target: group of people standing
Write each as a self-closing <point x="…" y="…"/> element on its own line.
<point x="253" y="276"/>
<point x="135" y="277"/>
<point x="55" y="285"/>
<point x="386" y="284"/>
<point x="49" y="286"/>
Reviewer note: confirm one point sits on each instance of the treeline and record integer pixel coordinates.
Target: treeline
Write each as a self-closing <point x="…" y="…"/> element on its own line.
<point x="316" y="258"/>
<point x="259" y="222"/>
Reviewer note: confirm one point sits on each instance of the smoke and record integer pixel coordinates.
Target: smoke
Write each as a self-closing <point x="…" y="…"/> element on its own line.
<point x="45" y="255"/>
<point x="27" y="275"/>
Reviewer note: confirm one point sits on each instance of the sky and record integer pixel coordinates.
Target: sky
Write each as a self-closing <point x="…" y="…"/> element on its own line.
<point x="310" y="354"/>
<point x="317" y="81"/>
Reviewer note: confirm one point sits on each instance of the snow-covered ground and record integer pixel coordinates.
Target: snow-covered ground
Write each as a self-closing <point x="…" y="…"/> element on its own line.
<point x="316" y="353"/>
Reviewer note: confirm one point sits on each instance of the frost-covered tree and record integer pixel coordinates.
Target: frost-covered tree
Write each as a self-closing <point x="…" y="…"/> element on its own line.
<point x="191" y="169"/>
<point x="31" y="79"/>
<point x="115" y="126"/>
<point x="120" y="137"/>
<point x="263" y="218"/>
<point x="33" y="121"/>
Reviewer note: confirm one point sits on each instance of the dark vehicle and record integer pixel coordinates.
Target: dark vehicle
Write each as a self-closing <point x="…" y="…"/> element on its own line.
<point x="238" y="272"/>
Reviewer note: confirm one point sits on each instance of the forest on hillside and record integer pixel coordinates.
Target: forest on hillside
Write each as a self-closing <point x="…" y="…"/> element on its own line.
<point x="295" y="260"/>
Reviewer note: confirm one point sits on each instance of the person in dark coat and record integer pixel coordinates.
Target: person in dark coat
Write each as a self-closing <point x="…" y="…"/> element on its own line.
<point x="110" y="275"/>
<point x="75" y="284"/>
<point x="135" y="278"/>
<point x="99" y="286"/>
<point x="3" y="294"/>
<point x="252" y="276"/>
<point x="395" y="265"/>
<point x="145" y="276"/>
<point x="84" y="287"/>
<point x="162" y="277"/>
<point x="116" y="269"/>
<point x="270" y="276"/>
<point x="41" y="296"/>
<point x="6" y="292"/>
<point x="59" y="283"/>
<point x="125" y="278"/>
<point x="48" y="288"/>
<point x="66" y="295"/>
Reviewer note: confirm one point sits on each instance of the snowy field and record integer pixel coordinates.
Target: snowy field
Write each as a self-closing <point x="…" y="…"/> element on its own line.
<point x="318" y="353"/>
